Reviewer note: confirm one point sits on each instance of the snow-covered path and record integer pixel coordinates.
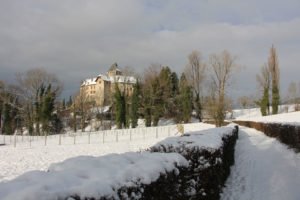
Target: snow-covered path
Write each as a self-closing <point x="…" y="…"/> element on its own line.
<point x="264" y="169"/>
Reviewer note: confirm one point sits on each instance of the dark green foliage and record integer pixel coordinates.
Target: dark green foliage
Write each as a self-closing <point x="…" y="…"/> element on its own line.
<point x="47" y="108"/>
<point x="63" y="104"/>
<point x="275" y="99"/>
<point x="120" y="108"/>
<point x="134" y="105"/>
<point x="74" y="118"/>
<point x="147" y="115"/>
<point x="174" y="84"/>
<point x="70" y="102"/>
<point x="7" y="129"/>
<point x="264" y="103"/>
<point x="185" y="101"/>
<point x="56" y="124"/>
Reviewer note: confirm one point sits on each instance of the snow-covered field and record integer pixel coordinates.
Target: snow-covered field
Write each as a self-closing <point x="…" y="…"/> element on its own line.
<point x="23" y="158"/>
<point x="248" y="114"/>
<point x="284" y="118"/>
<point x="264" y="169"/>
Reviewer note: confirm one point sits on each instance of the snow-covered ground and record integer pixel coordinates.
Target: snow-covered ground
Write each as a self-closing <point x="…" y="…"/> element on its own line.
<point x="284" y="118"/>
<point x="246" y="114"/>
<point x="264" y="169"/>
<point x="88" y="176"/>
<point x="23" y="158"/>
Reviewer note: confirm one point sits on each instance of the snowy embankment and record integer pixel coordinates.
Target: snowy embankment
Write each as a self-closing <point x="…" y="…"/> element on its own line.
<point x="264" y="169"/>
<point x="92" y="176"/>
<point x="135" y="175"/>
<point x="28" y="156"/>
<point x="292" y="118"/>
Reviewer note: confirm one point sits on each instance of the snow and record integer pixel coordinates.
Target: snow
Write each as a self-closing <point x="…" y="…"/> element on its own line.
<point x="292" y="118"/>
<point x="90" y="81"/>
<point x="244" y="114"/>
<point x="24" y="158"/>
<point x="208" y="139"/>
<point x="264" y="169"/>
<point x="91" y="176"/>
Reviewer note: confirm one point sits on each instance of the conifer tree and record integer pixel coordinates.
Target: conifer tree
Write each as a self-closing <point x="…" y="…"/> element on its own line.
<point x="7" y="129"/>
<point x="134" y="105"/>
<point x="47" y="108"/>
<point x="70" y="102"/>
<point x="120" y="108"/>
<point x="274" y="70"/>
<point x="186" y="99"/>
<point x="64" y="104"/>
<point x="74" y="117"/>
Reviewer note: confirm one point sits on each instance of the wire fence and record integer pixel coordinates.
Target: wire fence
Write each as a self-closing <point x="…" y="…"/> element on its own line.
<point x="97" y="137"/>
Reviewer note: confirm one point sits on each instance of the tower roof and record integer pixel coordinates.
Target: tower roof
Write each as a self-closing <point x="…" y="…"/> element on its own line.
<point x="114" y="67"/>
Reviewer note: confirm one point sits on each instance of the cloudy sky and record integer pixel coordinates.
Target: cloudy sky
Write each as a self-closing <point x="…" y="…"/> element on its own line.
<point x="77" y="39"/>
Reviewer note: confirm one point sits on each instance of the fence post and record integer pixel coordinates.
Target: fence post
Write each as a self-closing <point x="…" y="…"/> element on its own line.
<point x="30" y="141"/>
<point x="144" y="132"/>
<point x="156" y="132"/>
<point x="74" y="138"/>
<point x="10" y="139"/>
<point x="15" y="142"/>
<point x="89" y="138"/>
<point x="59" y="143"/>
<point x="4" y="138"/>
<point x="46" y="139"/>
<point x="168" y="131"/>
<point x="130" y="134"/>
<point x="103" y="134"/>
<point x="116" y="136"/>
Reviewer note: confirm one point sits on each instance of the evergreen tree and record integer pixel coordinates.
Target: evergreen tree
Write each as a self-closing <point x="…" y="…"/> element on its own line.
<point x="134" y="105"/>
<point x="47" y="108"/>
<point x="186" y="99"/>
<point x="275" y="73"/>
<point x="7" y="129"/>
<point x="74" y="117"/>
<point x="174" y="84"/>
<point x="147" y="116"/>
<point x="120" y="108"/>
<point x="70" y="102"/>
<point x="64" y="104"/>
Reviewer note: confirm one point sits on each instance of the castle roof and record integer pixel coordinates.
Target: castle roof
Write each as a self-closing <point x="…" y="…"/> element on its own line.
<point x="90" y="81"/>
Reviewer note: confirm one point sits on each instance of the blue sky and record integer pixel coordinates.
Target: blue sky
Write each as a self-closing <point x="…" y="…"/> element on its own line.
<point x="80" y="39"/>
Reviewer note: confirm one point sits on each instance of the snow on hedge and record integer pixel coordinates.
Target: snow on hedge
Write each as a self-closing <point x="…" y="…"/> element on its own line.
<point x="208" y="139"/>
<point x="292" y="118"/>
<point x="88" y="176"/>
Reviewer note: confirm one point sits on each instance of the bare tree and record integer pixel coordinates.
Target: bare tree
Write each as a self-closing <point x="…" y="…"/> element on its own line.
<point x="222" y="68"/>
<point x="30" y="85"/>
<point x="195" y="73"/>
<point x="292" y="95"/>
<point x="83" y="106"/>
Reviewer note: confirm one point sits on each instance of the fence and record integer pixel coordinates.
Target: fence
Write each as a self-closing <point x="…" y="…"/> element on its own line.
<point x="98" y="137"/>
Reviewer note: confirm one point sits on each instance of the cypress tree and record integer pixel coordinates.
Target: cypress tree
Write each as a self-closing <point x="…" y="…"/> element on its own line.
<point x="7" y="129"/>
<point x="134" y="106"/>
<point x="120" y="107"/>
<point x="186" y="99"/>
<point x="74" y="117"/>
<point x="47" y="108"/>
<point x="70" y="102"/>
<point x="64" y="104"/>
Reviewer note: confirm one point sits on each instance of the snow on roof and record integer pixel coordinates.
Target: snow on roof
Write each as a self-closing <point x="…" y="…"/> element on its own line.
<point x="118" y="79"/>
<point x="91" y="81"/>
<point x="89" y="176"/>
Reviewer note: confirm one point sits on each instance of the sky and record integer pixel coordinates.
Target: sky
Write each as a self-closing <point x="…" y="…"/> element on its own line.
<point x="79" y="39"/>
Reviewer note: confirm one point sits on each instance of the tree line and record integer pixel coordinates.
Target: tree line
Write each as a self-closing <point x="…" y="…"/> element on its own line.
<point x="200" y="91"/>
